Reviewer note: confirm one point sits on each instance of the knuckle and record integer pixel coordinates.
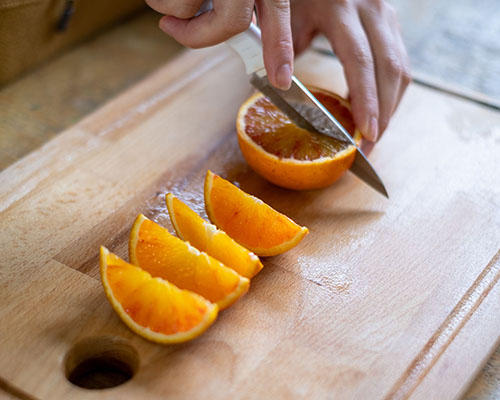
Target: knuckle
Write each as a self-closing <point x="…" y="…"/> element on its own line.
<point x="358" y="52"/>
<point x="392" y="65"/>
<point x="233" y="26"/>
<point x="344" y="28"/>
<point x="406" y="76"/>
<point x="362" y="57"/>
<point x="236" y="20"/>
<point x="281" y="44"/>
<point x="281" y="4"/>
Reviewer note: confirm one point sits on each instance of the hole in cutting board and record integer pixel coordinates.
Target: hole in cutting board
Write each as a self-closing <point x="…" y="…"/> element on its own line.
<point x="101" y="362"/>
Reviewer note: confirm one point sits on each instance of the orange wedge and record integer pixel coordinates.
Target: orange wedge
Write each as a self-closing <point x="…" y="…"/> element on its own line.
<point x="163" y="255"/>
<point x="289" y="156"/>
<point x="152" y="307"/>
<point x="248" y="220"/>
<point x="206" y="237"/>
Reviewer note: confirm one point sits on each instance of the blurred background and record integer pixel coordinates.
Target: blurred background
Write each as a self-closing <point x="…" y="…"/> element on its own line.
<point x="457" y="42"/>
<point x="59" y="64"/>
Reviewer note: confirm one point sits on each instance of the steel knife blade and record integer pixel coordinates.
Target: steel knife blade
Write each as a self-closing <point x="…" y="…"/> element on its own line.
<point x="301" y="107"/>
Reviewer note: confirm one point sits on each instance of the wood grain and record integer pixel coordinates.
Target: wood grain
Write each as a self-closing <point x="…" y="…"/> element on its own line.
<point x="368" y="306"/>
<point x="449" y="329"/>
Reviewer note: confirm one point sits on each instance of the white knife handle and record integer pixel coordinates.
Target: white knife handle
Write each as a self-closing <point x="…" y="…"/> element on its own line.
<point x="249" y="46"/>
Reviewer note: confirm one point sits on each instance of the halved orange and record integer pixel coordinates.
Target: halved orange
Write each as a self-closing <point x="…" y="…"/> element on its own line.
<point x="152" y="307"/>
<point x="248" y="220"/>
<point x="163" y="255"/>
<point x="206" y="237"/>
<point x="289" y="156"/>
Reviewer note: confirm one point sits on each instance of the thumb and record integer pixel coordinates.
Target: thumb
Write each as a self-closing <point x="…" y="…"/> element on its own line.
<point x="274" y="19"/>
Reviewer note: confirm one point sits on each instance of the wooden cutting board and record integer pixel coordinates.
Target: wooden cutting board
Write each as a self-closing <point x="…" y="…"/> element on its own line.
<point x="383" y="299"/>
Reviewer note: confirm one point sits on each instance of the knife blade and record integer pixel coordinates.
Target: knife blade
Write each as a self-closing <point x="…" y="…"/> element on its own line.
<point x="299" y="104"/>
<point x="301" y="107"/>
<point x="302" y="110"/>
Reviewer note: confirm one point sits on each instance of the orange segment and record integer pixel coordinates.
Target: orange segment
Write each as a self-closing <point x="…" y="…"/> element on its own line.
<point x="152" y="307"/>
<point x="248" y="220"/>
<point x="290" y="156"/>
<point x="206" y="237"/>
<point x="163" y="255"/>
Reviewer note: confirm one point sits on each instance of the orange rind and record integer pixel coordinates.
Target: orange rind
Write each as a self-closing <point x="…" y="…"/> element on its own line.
<point x="289" y="156"/>
<point x="155" y="250"/>
<point x="206" y="237"/>
<point x="152" y="307"/>
<point x="248" y="220"/>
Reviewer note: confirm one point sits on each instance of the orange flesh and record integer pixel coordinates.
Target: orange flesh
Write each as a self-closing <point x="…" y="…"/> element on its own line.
<point x="275" y="133"/>
<point x="247" y="220"/>
<point x="159" y="306"/>
<point x="170" y="258"/>
<point x="191" y="227"/>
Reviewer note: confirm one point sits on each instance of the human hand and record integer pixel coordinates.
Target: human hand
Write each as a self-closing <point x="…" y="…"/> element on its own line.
<point x="227" y="19"/>
<point x="364" y="34"/>
<point x="366" y="37"/>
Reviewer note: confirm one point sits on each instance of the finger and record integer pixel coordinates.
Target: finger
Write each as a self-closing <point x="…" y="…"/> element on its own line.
<point x="177" y="8"/>
<point x="274" y="19"/>
<point x="406" y="78"/>
<point x="226" y="19"/>
<point x="367" y="147"/>
<point x="388" y="62"/>
<point x="303" y="31"/>
<point x="350" y="43"/>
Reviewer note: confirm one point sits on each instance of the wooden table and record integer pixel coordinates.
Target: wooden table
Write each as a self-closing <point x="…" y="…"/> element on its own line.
<point x="50" y="114"/>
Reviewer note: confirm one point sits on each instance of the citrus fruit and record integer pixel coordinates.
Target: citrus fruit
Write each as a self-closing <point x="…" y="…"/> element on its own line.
<point x="206" y="237"/>
<point x="289" y="156"/>
<point x="152" y="307"/>
<point x="163" y="255"/>
<point x="248" y="220"/>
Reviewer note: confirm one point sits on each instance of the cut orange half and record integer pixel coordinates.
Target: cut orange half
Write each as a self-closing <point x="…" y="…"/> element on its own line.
<point x="152" y="307"/>
<point x="163" y="255"/>
<point x="206" y="237"/>
<point x="289" y="156"/>
<point x="248" y="220"/>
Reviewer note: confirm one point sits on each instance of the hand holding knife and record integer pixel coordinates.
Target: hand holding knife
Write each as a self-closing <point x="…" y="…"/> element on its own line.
<point x="297" y="103"/>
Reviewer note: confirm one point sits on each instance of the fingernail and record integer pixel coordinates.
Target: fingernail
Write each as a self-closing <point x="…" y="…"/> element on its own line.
<point x="284" y="77"/>
<point x="372" y="132"/>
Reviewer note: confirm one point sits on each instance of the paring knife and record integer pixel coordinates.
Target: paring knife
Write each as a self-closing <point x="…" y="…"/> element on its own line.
<point x="297" y="103"/>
